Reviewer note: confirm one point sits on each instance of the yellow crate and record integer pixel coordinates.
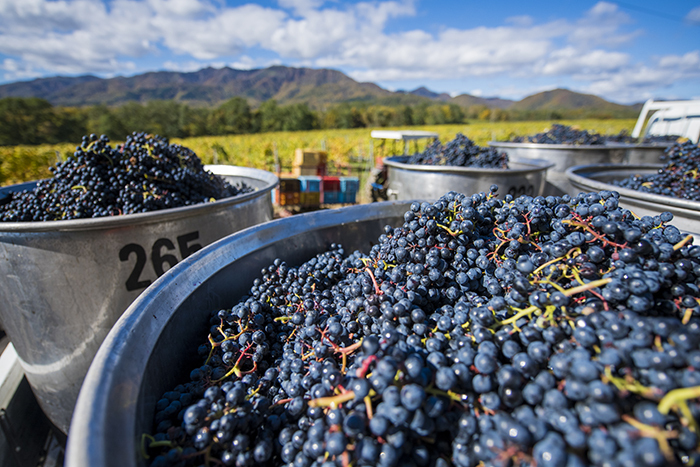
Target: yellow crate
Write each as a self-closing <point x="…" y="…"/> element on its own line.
<point x="310" y="157"/>
<point x="310" y="198"/>
<point x="298" y="171"/>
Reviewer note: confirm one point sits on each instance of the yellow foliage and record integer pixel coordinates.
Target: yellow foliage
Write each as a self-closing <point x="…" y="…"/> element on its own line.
<point x="24" y="163"/>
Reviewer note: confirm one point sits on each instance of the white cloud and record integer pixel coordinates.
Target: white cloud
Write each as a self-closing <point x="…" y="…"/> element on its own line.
<point x="183" y="8"/>
<point x="13" y="70"/>
<point x="244" y="63"/>
<point x="188" y="67"/>
<point x="570" y="60"/>
<point x="693" y="15"/>
<point x="637" y="81"/>
<point x="689" y="61"/>
<point x="75" y="37"/>
<point x="227" y="33"/>
<point x="601" y="26"/>
<point x="41" y="37"/>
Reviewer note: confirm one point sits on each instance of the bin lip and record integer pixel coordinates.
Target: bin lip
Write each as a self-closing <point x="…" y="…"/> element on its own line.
<point x="581" y="147"/>
<point x="575" y="147"/>
<point x="531" y="166"/>
<point x="576" y="177"/>
<point x="90" y="437"/>
<point x="658" y="145"/>
<point x="164" y="215"/>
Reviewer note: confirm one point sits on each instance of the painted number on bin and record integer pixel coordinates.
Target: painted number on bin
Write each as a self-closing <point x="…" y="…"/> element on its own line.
<point x="516" y="191"/>
<point x="162" y="257"/>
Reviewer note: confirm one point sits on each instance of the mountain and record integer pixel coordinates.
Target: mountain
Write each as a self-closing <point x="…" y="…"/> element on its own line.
<point x="208" y="86"/>
<point x="425" y="92"/>
<point x="565" y="99"/>
<point x="287" y="85"/>
<point x="467" y="100"/>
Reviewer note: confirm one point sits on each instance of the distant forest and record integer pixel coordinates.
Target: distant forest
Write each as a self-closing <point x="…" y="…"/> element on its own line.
<point x="33" y="121"/>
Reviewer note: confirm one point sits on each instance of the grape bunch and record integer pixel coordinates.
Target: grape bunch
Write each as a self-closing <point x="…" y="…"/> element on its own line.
<point x="144" y="174"/>
<point x="460" y="152"/>
<point x="678" y="178"/>
<point x="557" y="331"/>
<point x="624" y="137"/>
<point x="563" y="134"/>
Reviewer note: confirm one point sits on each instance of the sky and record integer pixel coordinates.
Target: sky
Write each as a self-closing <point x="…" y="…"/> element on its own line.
<point x="625" y="52"/>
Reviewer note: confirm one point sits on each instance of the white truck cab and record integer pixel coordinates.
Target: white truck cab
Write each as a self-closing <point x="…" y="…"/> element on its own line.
<point x="680" y="118"/>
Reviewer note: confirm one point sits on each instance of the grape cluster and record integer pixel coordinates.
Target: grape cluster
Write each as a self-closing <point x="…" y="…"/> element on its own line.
<point x="557" y="331"/>
<point x="563" y="134"/>
<point x="460" y="152"/>
<point x="144" y="174"/>
<point x="678" y="178"/>
<point x="624" y="137"/>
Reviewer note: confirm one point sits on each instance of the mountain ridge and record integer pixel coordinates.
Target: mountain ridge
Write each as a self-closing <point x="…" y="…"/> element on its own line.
<point x="288" y="85"/>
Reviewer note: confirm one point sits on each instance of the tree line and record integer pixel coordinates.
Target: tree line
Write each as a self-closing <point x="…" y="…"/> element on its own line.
<point x="34" y="121"/>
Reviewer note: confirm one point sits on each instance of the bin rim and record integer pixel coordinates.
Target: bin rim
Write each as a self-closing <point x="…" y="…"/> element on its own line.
<point x="575" y="147"/>
<point x="164" y="215"/>
<point x="659" y="145"/>
<point x="531" y="165"/>
<point x="574" y="174"/>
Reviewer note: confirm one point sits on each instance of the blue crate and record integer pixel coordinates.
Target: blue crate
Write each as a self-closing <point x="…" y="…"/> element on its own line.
<point x="310" y="183"/>
<point x="348" y="197"/>
<point x="331" y="197"/>
<point x="349" y="184"/>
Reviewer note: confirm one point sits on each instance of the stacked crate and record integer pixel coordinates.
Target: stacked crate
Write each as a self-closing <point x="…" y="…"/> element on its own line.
<point x="349" y="186"/>
<point x="288" y="193"/>
<point x="310" y="190"/>
<point x="330" y="189"/>
<point x="309" y="162"/>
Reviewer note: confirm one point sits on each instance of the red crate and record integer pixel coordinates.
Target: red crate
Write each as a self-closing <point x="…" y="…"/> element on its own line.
<point x="331" y="183"/>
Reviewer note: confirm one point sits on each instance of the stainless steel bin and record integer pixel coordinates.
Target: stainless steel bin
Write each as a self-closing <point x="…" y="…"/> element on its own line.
<point x="596" y="177"/>
<point x="65" y="283"/>
<point x="562" y="156"/>
<point x="430" y="182"/>
<point x="148" y="350"/>
<point x="641" y="153"/>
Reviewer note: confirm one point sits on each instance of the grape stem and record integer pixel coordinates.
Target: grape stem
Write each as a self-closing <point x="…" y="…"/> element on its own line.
<point x="332" y="401"/>
<point x="377" y="290"/>
<point x="593" y="232"/>
<point x="568" y="292"/>
<point x="152" y="444"/>
<point x="677" y="399"/>
<point x="659" y="435"/>
<point x="682" y="243"/>
<point x="453" y="233"/>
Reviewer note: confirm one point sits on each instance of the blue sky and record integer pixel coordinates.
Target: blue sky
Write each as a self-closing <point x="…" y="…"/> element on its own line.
<point x="623" y="51"/>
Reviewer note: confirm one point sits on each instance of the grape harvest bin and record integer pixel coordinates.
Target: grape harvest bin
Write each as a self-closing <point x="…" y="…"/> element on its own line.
<point x="430" y="182"/>
<point x="65" y="283"/>
<point x="562" y="156"/>
<point x="641" y="153"/>
<point x="596" y="177"/>
<point x="153" y="345"/>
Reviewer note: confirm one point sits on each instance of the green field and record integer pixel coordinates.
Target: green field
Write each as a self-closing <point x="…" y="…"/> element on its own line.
<point x="348" y="150"/>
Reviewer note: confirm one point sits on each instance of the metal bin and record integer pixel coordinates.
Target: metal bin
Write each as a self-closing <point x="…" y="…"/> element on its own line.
<point x="65" y="283"/>
<point x="430" y="182"/>
<point x="587" y="178"/>
<point x="149" y="349"/>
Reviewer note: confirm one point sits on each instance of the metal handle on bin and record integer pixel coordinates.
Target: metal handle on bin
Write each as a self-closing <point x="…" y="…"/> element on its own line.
<point x="391" y="192"/>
